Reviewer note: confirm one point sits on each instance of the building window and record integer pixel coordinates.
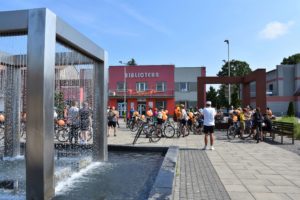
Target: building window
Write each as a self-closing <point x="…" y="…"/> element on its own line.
<point x="161" y="86"/>
<point x="121" y="86"/>
<point x="271" y="87"/>
<point x="184" y="87"/>
<point x="141" y="86"/>
<point x="160" y="104"/>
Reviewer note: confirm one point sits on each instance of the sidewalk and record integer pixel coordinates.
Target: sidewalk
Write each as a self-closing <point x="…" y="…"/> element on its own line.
<point x="245" y="169"/>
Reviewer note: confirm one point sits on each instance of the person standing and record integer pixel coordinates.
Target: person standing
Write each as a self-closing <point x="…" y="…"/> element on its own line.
<point x="117" y="116"/>
<point x="73" y="121"/>
<point x="85" y="121"/>
<point x="183" y="119"/>
<point x="209" y="114"/>
<point x="257" y="124"/>
<point x="111" y="118"/>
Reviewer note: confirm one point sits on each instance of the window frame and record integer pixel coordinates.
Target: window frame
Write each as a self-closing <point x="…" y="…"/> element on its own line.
<point x="164" y="86"/>
<point x="138" y="86"/>
<point x="124" y="86"/>
<point x="186" y="87"/>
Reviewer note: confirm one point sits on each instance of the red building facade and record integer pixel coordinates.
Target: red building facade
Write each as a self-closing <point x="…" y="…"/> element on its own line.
<point x="141" y="86"/>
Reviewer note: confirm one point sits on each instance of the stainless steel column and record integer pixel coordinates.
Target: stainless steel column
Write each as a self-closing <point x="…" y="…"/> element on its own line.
<point x="12" y="111"/>
<point x="40" y="102"/>
<point x="100" y="112"/>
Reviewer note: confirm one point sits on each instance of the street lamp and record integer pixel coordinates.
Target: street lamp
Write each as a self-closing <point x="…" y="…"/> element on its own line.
<point x="125" y="91"/>
<point x="229" y="94"/>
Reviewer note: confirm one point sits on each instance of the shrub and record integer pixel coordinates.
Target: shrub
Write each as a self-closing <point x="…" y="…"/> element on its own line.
<point x="293" y="120"/>
<point x="291" y="110"/>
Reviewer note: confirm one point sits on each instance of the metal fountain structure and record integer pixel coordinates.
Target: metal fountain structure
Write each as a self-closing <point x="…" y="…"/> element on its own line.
<point x="43" y="29"/>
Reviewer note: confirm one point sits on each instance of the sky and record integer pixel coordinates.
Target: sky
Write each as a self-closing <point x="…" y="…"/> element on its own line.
<point x="186" y="33"/>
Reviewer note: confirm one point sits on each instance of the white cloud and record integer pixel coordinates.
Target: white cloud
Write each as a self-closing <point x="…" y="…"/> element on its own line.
<point x="275" y="29"/>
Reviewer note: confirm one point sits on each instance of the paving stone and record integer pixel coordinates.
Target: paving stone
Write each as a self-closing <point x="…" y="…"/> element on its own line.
<point x="294" y="196"/>
<point x="235" y="188"/>
<point x="270" y="196"/>
<point x="241" y="196"/>
<point x="284" y="189"/>
<point x="257" y="188"/>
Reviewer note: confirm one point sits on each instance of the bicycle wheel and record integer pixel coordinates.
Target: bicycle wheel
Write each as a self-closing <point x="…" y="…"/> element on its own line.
<point x="187" y="132"/>
<point x="62" y="135"/>
<point x="231" y="133"/>
<point x="134" y="127"/>
<point x="138" y="134"/>
<point x="247" y="133"/>
<point x="169" y="131"/>
<point x="155" y="135"/>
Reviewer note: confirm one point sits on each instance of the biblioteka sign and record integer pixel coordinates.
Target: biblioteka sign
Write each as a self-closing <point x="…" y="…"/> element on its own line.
<point x="142" y="75"/>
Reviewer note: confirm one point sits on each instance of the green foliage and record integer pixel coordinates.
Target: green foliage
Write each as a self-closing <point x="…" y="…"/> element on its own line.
<point x="211" y="95"/>
<point x="291" y="110"/>
<point x="222" y="101"/>
<point x="59" y="104"/>
<point x="131" y="62"/>
<point x="235" y="101"/>
<point x="293" y="120"/>
<point x="291" y="60"/>
<point x="237" y="68"/>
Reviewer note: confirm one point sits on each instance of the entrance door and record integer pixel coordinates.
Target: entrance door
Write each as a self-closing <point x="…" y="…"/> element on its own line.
<point x="141" y="108"/>
<point x="121" y="109"/>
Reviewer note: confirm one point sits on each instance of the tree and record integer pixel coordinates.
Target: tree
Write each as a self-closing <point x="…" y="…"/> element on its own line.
<point x="235" y="101"/>
<point x="59" y="104"/>
<point x="211" y="95"/>
<point x="291" y="110"/>
<point x="291" y="60"/>
<point x="237" y="68"/>
<point x="131" y="62"/>
<point x="222" y="101"/>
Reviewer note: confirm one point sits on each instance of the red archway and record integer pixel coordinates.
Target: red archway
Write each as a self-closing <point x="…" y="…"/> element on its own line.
<point x="259" y="76"/>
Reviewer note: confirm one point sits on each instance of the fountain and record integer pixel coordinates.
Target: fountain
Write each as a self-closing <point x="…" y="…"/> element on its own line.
<point x="45" y="63"/>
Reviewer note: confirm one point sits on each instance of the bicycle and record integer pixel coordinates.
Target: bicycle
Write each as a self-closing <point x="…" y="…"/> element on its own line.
<point x="61" y="133"/>
<point x="182" y="130"/>
<point x="168" y="130"/>
<point x="233" y="130"/>
<point x="154" y="133"/>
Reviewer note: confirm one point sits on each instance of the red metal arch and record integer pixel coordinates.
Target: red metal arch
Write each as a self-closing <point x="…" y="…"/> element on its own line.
<point x="259" y="76"/>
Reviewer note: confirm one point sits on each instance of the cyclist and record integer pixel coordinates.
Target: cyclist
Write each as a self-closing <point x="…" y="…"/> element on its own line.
<point x="257" y="124"/>
<point x="242" y="122"/>
<point x="183" y="119"/>
<point x="160" y="120"/>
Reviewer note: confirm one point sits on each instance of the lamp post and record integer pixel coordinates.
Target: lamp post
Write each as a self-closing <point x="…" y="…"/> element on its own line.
<point x="229" y="93"/>
<point x="125" y="91"/>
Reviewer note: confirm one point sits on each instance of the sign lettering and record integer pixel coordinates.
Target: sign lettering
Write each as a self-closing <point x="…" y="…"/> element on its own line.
<point x="142" y="75"/>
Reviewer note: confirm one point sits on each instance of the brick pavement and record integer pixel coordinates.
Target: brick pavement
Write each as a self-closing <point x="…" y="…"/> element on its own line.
<point x="197" y="178"/>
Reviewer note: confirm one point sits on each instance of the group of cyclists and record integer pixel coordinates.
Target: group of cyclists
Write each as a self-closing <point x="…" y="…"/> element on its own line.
<point x="243" y="122"/>
<point x="248" y="121"/>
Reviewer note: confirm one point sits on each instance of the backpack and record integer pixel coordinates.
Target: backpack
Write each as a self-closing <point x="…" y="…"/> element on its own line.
<point x="110" y="116"/>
